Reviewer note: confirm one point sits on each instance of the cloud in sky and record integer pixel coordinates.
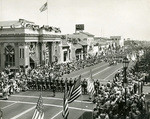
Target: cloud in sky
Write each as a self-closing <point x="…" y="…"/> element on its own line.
<point x="128" y="18"/>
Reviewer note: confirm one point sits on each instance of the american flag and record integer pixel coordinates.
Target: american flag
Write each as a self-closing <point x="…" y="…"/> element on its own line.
<point x="75" y="91"/>
<point x="90" y="84"/>
<point x="44" y="7"/>
<point x="65" y="112"/>
<point x="38" y="113"/>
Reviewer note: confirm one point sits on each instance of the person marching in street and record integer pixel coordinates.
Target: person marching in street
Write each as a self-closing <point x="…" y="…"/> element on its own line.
<point x="96" y="86"/>
<point x="29" y="82"/>
<point x="66" y="81"/>
<point x="51" y="83"/>
<point x="54" y="88"/>
<point x="84" y="86"/>
<point x="5" y="91"/>
<point x="47" y="83"/>
<point x="70" y="83"/>
<point x="43" y="83"/>
<point x="62" y="84"/>
<point x="39" y="82"/>
<point x="58" y="85"/>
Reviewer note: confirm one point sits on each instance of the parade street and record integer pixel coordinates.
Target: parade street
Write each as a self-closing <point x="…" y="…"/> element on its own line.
<point x="21" y="105"/>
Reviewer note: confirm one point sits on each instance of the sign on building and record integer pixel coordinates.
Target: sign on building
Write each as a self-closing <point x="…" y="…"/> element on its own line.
<point x="79" y="27"/>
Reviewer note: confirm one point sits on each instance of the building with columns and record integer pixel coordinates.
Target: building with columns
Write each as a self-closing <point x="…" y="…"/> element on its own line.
<point x="25" y="44"/>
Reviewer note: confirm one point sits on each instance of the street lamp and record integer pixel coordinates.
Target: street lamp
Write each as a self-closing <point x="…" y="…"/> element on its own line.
<point x="125" y="66"/>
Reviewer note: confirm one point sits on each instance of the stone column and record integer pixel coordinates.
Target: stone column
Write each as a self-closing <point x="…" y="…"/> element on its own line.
<point x="40" y="52"/>
<point x="43" y="47"/>
<point x="16" y="54"/>
<point x="37" y="52"/>
<point x="53" y="51"/>
<point x="82" y="54"/>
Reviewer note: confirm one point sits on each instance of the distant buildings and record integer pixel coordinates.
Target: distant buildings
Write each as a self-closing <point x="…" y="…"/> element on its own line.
<point x="25" y="44"/>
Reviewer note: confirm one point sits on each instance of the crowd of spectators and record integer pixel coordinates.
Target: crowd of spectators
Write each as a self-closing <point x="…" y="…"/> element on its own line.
<point x="42" y="77"/>
<point x="114" y="100"/>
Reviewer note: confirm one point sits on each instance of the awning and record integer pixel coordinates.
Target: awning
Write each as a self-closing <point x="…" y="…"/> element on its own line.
<point x="77" y="46"/>
<point x="83" y="43"/>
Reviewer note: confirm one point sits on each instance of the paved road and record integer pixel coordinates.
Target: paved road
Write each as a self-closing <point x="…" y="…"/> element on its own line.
<point x="22" y="105"/>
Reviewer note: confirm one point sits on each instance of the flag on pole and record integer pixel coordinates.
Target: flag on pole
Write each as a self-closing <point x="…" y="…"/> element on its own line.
<point x="44" y="7"/>
<point x="65" y="112"/>
<point x="38" y="113"/>
<point x="75" y="91"/>
<point x="90" y="86"/>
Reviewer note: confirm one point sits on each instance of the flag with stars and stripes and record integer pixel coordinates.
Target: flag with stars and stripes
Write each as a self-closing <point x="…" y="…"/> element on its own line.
<point x="90" y="85"/>
<point x="65" y="112"/>
<point x="75" y="91"/>
<point x="38" y="113"/>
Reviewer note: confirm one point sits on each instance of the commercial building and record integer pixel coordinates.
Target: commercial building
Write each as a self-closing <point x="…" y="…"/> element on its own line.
<point x="25" y="44"/>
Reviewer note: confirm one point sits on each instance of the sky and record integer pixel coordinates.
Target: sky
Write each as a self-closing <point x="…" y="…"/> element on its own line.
<point x="103" y="18"/>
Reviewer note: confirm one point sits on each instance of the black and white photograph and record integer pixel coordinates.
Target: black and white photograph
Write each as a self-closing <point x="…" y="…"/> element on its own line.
<point x="74" y="59"/>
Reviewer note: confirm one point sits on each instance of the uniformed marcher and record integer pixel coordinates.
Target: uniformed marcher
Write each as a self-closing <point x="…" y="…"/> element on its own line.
<point x="84" y="86"/>
<point x="96" y="86"/>
<point x="5" y="91"/>
<point x="43" y="83"/>
<point x="62" y="84"/>
<point x="51" y="83"/>
<point x="39" y="83"/>
<point x="70" y="83"/>
<point x="54" y="89"/>
<point x="47" y="83"/>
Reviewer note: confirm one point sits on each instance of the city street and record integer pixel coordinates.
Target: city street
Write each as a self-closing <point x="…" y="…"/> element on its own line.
<point x="74" y="59"/>
<point x="22" y="105"/>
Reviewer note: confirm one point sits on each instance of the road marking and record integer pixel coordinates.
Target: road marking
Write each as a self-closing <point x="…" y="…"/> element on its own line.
<point x="52" y="105"/>
<point x="101" y="71"/>
<point x="22" y="113"/>
<point x="9" y="105"/>
<point x="56" y="115"/>
<point x="25" y="96"/>
<point x="89" y="71"/>
<point x="111" y="73"/>
<point x="94" y="69"/>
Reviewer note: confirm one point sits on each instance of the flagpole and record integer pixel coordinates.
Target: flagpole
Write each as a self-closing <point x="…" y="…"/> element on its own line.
<point x="91" y="96"/>
<point x="82" y="101"/>
<point x="92" y="111"/>
<point x="47" y="11"/>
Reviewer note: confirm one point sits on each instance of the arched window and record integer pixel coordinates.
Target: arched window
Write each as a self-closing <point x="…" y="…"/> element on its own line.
<point x="10" y="56"/>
